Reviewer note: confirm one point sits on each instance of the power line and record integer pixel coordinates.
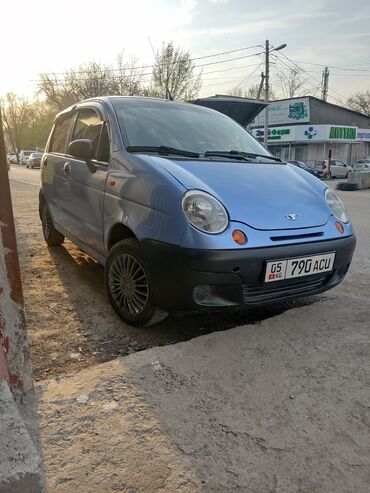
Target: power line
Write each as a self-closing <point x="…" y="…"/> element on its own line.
<point x="153" y="65"/>
<point x="60" y="81"/>
<point x="330" y="90"/>
<point x="298" y="73"/>
<point x="317" y="81"/>
<point x="345" y="67"/>
<point x="223" y="82"/>
<point x="242" y="82"/>
<point x="232" y="68"/>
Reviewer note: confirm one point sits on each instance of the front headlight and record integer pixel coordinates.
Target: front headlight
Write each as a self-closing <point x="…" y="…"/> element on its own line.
<point x="336" y="205"/>
<point x="204" y="212"/>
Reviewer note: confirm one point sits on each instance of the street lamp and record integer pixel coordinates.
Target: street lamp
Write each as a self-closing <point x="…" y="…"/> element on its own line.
<point x="268" y="50"/>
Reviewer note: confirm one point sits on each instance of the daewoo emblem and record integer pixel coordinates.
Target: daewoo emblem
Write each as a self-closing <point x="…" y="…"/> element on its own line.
<point x="292" y="217"/>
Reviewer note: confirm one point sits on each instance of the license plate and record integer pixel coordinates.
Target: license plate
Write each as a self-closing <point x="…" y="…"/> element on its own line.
<point x="278" y="270"/>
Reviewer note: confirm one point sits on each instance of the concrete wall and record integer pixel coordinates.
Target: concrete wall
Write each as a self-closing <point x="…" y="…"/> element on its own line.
<point x="20" y="463"/>
<point x="362" y="178"/>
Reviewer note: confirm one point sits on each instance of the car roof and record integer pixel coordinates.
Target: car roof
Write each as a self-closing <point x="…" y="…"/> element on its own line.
<point x="138" y="100"/>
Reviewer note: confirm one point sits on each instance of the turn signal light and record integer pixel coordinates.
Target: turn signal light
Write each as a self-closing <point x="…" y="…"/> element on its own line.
<point x="339" y="227"/>
<point x="239" y="237"/>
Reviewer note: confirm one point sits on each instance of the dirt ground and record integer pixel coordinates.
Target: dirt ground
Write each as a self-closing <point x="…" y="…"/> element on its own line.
<point x="279" y="404"/>
<point x="71" y="324"/>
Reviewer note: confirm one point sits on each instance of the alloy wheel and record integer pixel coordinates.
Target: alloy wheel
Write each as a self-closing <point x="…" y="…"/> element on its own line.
<point x="129" y="284"/>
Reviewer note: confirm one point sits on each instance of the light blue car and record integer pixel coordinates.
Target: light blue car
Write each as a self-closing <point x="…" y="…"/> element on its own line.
<point x="186" y="210"/>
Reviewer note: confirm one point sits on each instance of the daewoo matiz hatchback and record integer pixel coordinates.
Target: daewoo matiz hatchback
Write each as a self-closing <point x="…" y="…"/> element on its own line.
<point x="186" y="210"/>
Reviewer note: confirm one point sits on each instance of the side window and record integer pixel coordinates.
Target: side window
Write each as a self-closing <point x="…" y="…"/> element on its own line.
<point x="60" y="135"/>
<point x="90" y="126"/>
<point x="104" y="148"/>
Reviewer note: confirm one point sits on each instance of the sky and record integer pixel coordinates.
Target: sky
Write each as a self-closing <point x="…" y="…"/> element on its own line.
<point x="47" y="36"/>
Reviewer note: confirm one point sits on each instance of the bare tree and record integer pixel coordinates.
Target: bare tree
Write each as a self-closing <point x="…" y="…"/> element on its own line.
<point x="173" y="74"/>
<point x="360" y="102"/>
<point x="17" y="114"/>
<point x="129" y="77"/>
<point x="57" y="93"/>
<point x="91" y="80"/>
<point x="251" y="92"/>
<point x="41" y="120"/>
<point x="292" y="83"/>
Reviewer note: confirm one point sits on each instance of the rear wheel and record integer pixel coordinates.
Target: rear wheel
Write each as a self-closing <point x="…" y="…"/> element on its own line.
<point x="51" y="235"/>
<point x="128" y="283"/>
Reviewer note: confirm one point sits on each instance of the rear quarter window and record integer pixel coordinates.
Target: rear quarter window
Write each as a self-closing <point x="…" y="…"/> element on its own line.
<point x="60" y="135"/>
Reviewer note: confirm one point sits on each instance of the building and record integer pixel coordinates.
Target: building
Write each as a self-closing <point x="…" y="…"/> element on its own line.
<point x="306" y="129"/>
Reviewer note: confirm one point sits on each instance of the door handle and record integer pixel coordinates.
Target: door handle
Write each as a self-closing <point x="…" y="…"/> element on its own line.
<point x="67" y="169"/>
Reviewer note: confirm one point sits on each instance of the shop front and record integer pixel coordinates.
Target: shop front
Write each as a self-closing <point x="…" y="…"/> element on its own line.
<point x="311" y="143"/>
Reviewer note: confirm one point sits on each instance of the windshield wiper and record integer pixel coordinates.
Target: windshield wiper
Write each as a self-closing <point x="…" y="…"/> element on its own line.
<point x="162" y="150"/>
<point x="240" y="155"/>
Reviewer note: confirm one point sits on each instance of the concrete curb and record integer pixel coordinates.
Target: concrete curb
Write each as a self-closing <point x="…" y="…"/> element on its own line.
<point x="20" y="463"/>
<point x="361" y="178"/>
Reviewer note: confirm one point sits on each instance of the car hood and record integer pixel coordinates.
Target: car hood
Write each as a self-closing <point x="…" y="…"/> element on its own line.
<point x="260" y="195"/>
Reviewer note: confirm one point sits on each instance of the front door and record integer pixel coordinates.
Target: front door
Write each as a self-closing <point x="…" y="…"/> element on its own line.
<point x="86" y="192"/>
<point x="55" y="185"/>
<point x="338" y="169"/>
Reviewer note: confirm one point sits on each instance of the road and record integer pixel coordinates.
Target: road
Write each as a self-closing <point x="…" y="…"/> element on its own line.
<point x="70" y="321"/>
<point x="279" y="403"/>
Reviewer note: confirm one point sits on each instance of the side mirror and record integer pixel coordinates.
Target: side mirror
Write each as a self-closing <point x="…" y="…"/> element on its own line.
<point x="83" y="149"/>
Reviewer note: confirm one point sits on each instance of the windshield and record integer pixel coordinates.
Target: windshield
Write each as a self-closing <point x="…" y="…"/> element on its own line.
<point x="181" y="126"/>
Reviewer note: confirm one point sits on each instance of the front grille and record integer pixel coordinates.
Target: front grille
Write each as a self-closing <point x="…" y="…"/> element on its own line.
<point x="253" y="294"/>
<point x="296" y="237"/>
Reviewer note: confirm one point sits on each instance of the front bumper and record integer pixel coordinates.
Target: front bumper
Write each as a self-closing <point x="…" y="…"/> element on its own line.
<point x="236" y="276"/>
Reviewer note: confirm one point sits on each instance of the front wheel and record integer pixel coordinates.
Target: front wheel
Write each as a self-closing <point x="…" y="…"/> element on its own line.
<point x="128" y="283"/>
<point x="51" y="235"/>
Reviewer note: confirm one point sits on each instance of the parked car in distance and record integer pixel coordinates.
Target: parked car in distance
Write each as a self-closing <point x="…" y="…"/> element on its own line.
<point x="362" y="165"/>
<point x="24" y="155"/>
<point x="338" y="169"/>
<point x="34" y="160"/>
<point x="313" y="171"/>
<point x="186" y="210"/>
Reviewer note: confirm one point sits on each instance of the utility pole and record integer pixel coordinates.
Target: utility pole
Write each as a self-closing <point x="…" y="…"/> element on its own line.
<point x="267" y="74"/>
<point x="325" y="83"/>
<point x="260" y="86"/>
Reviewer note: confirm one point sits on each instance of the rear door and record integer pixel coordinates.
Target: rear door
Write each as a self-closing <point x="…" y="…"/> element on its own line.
<point x="86" y="189"/>
<point x="54" y="183"/>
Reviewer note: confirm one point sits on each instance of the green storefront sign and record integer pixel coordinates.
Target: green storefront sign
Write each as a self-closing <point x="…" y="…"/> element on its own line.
<point x="344" y="133"/>
<point x="276" y="133"/>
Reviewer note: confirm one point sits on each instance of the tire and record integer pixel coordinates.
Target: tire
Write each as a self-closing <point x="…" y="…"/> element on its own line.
<point x="130" y="299"/>
<point x="51" y="235"/>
